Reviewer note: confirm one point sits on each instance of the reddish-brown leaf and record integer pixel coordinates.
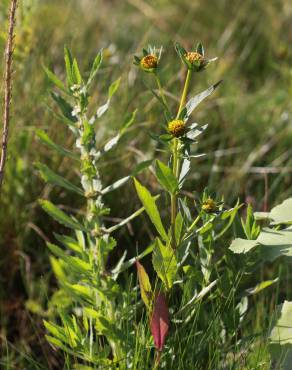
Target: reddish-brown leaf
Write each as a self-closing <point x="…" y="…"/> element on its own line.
<point x="159" y="321"/>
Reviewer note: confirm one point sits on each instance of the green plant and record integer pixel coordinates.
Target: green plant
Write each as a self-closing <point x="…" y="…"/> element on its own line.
<point x="91" y="308"/>
<point x="190" y="266"/>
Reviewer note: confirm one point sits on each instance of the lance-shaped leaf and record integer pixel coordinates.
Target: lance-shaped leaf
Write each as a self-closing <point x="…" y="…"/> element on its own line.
<point x="55" y="80"/>
<point x="95" y="67"/>
<point x="149" y="204"/>
<point x="60" y="216"/>
<point x="159" y="321"/>
<point x="145" y="286"/>
<point x="68" y="65"/>
<point x="64" y="106"/>
<point x="166" y="177"/>
<point x="115" y="185"/>
<point x="164" y="263"/>
<point x="196" y="100"/>
<point x="50" y="176"/>
<point x="42" y="135"/>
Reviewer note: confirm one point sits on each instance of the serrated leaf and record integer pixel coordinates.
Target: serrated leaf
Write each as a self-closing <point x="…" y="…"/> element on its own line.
<point x="51" y="177"/>
<point x="145" y="286"/>
<point x="150" y="207"/>
<point x="164" y="263"/>
<point x="60" y="216"/>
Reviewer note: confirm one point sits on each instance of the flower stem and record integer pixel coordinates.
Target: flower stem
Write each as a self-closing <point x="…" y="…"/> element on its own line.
<point x="161" y="90"/>
<point x="176" y="159"/>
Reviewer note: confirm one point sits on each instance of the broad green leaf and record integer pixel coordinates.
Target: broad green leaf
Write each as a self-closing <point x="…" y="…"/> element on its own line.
<point x="275" y="243"/>
<point x="242" y="245"/>
<point x="282" y="331"/>
<point x="166" y="177"/>
<point x="145" y="286"/>
<point x="150" y="207"/>
<point x="42" y="135"/>
<point x="164" y="263"/>
<point x="60" y="216"/>
<point x="54" y="79"/>
<point x="58" y="268"/>
<point x="282" y="214"/>
<point x="50" y="176"/>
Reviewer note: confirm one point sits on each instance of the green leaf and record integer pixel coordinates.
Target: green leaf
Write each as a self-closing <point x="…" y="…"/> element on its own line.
<point x="42" y="135"/>
<point x="51" y="177"/>
<point x="275" y="243"/>
<point x="115" y="185"/>
<point x="141" y="167"/>
<point x="76" y="73"/>
<point x="179" y="222"/>
<point x="150" y="207"/>
<point x="113" y="88"/>
<point x="68" y="64"/>
<point x="242" y="245"/>
<point x="196" y="100"/>
<point x="145" y="286"/>
<point x="166" y="177"/>
<point x="282" y="214"/>
<point x="54" y="79"/>
<point x="64" y="106"/>
<point x="282" y="331"/>
<point x="128" y="122"/>
<point x="95" y="67"/>
<point x="164" y="263"/>
<point x="261" y="286"/>
<point x="60" y="216"/>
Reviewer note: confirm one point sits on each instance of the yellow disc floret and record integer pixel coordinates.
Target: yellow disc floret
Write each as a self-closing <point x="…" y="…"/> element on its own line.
<point x="149" y="62"/>
<point x="209" y="205"/>
<point x="177" y="127"/>
<point x="194" y="57"/>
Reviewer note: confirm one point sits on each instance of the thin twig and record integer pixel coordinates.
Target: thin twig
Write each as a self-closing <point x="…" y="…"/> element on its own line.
<point x="7" y="87"/>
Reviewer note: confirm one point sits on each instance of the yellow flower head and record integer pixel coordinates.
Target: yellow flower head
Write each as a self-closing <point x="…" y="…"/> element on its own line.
<point x="194" y="57"/>
<point x="177" y="127"/>
<point x="209" y="205"/>
<point x="149" y="62"/>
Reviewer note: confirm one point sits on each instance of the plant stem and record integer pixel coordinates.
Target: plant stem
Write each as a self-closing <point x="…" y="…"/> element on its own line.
<point x="161" y="90"/>
<point x="7" y="87"/>
<point x="176" y="158"/>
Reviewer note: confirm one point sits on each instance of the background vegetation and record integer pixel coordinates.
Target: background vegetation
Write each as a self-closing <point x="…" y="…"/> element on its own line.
<point x="248" y="144"/>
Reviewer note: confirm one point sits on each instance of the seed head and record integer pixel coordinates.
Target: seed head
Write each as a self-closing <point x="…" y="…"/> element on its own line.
<point x="149" y="62"/>
<point x="177" y="127"/>
<point x="209" y="205"/>
<point x="193" y="57"/>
